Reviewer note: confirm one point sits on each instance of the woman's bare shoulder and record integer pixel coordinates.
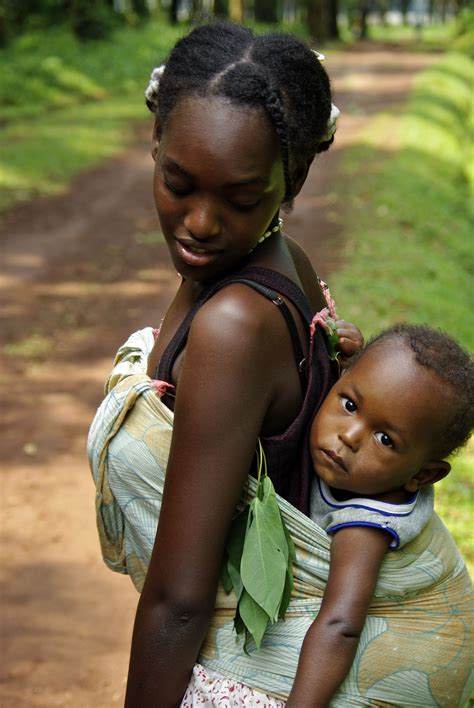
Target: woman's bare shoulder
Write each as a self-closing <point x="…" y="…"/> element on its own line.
<point x="237" y="313"/>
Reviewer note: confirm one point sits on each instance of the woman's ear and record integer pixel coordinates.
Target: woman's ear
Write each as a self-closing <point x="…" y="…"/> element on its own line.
<point x="429" y="474"/>
<point x="155" y="139"/>
<point x="300" y="174"/>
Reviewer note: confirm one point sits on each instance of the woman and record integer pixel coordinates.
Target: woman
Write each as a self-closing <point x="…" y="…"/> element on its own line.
<point x="238" y="122"/>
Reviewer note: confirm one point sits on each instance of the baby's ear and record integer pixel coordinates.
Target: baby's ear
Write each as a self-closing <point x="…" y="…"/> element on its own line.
<point x="429" y="474"/>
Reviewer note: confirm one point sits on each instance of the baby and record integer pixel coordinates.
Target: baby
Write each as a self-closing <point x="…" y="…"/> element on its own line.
<point x="378" y="443"/>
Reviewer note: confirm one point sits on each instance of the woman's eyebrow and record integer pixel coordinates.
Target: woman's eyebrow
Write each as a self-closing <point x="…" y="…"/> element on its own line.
<point x="171" y="164"/>
<point x="251" y="181"/>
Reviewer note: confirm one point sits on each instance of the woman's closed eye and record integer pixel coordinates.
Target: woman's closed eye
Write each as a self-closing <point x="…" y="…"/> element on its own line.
<point x="178" y="189"/>
<point x="348" y="404"/>
<point x="244" y="206"/>
<point x="384" y="439"/>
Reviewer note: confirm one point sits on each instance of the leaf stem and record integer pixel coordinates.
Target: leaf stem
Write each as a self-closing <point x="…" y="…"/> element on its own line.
<point x="261" y="462"/>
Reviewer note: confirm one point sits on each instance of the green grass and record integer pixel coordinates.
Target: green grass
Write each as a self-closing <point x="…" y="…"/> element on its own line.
<point x="43" y="71"/>
<point x="410" y="252"/>
<point x="42" y="156"/>
<point x="65" y="106"/>
<point x="435" y="36"/>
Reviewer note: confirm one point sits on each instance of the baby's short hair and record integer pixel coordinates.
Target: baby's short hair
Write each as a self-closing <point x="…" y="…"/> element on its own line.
<point x="453" y="366"/>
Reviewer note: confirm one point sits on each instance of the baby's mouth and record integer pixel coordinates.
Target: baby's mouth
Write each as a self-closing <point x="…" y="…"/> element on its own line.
<point x="335" y="459"/>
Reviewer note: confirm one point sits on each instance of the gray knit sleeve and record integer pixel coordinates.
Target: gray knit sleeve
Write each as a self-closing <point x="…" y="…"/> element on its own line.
<point x="403" y="521"/>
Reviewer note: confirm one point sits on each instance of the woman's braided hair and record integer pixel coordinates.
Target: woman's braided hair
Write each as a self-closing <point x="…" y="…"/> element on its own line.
<point x="276" y="72"/>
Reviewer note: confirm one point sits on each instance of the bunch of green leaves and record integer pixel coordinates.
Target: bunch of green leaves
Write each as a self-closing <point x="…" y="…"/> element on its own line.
<point x="258" y="559"/>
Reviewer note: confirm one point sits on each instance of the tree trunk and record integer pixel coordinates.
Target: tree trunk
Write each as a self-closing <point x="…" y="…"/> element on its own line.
<point x="333" y="11"/>
<point x="404" y="4"/>
<point x="221" y="8"/>
<point x="364" y="12"/>
<point x="196" y="10"/>
<point x="236" y="10"/>
<point x="173" y="10"/>
<point x="316" y="18"/>
<point x="266" y="11"/>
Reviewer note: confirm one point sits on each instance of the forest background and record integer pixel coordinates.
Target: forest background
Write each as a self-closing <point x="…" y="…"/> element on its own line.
<point x="70" y="87"/>
<point x="385" y="215"/>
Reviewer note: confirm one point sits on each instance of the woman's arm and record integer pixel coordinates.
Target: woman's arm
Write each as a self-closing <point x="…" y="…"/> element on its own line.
<point x="224" y="390"/>
<point x="330" y="644"/>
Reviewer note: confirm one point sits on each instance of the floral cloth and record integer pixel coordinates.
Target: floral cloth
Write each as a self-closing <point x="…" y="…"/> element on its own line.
<point x="208" y="690"/>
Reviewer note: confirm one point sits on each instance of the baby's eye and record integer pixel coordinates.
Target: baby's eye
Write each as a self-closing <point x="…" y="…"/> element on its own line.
<point x="348" y="404"/>
<point x="384" y="439"/>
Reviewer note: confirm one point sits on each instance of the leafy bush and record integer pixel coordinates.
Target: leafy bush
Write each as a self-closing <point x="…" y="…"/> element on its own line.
<point x="464" y="32"/>
<point x="91" y="19"/>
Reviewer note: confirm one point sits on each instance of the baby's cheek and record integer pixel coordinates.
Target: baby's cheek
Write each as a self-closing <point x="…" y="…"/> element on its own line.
<point x="315" y="430"/>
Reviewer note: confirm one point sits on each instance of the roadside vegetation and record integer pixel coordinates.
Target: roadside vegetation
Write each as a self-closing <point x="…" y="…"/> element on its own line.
<point x="408" y="229"/>
<point x="66" y="105"/>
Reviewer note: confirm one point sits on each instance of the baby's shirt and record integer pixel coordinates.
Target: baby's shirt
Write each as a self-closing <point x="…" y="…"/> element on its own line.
<point x="403" y="521"/>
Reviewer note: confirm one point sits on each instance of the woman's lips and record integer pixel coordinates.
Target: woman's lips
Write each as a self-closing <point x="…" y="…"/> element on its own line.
<point x="335" y="459"/>
<point x="195" y="255"/>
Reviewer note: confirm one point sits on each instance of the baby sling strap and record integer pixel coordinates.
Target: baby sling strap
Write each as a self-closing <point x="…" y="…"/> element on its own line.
<point x="268" y="283"/>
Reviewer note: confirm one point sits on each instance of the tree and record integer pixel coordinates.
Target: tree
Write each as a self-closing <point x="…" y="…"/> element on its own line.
<point x="236" y="10"/>
<point x="266" y="11"/>
<point x="333" y="12"/>
<point x="316" y="19"/>
<point x="363" y="16"/>
<point x="141" y="9"/>
<point x="322" y="19"/>
<point x="221" y="8"/>
<point x="90" y="19"/>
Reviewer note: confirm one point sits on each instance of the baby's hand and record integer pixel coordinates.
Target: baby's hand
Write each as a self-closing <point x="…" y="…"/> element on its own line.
<point x="350" y="340"/>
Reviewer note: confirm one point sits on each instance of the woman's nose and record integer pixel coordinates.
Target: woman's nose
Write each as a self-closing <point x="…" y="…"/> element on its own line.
<point x="352" y="435"/>
<point x="202" y="219"/>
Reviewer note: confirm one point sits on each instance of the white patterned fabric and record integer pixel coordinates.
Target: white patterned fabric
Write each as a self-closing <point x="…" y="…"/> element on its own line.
<point x="416" y="646"/>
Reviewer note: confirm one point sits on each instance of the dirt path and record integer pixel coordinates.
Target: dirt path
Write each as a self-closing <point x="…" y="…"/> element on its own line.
<point x="79" y="273"/>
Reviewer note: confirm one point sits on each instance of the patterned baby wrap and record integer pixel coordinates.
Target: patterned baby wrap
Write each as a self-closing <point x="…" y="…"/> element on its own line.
<point x="416" y="646"/>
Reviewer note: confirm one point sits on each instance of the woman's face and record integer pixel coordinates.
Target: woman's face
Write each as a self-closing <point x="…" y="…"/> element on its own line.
<point x="218" y="184"/>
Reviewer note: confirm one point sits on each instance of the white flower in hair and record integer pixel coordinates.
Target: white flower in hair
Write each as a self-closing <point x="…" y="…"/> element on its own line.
<point x="335" y="112"/>
<point x="151" y="91"/>
<point x="331" y="124"/>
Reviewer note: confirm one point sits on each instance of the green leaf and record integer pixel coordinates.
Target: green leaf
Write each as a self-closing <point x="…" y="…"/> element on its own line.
<point x="225" y="577"/>
<point x="254" y="617"/>
<point x="235" y="579"/>
<point x="286" y="597"/>
<point x="239" y="625"/>
<point x="234" y="549"/>
<point x="235" y="540"/>
<point x="264" y="561"/>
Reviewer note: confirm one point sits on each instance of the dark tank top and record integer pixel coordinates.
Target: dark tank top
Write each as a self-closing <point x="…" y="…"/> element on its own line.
<point x="287" y="454"/>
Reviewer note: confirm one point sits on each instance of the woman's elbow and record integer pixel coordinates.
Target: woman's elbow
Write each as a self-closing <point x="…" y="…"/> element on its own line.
<point x="345" y="628"/>
<point x="180" y="608"/>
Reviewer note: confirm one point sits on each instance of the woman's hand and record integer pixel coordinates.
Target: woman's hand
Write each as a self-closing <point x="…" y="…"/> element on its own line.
<point x="350" y="341"/>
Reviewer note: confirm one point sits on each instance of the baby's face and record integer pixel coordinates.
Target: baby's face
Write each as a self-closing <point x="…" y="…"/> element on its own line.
<point x="377" y="427"/>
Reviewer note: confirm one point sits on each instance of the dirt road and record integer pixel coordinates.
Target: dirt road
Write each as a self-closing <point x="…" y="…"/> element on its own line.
<point x="79" y="273"/>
